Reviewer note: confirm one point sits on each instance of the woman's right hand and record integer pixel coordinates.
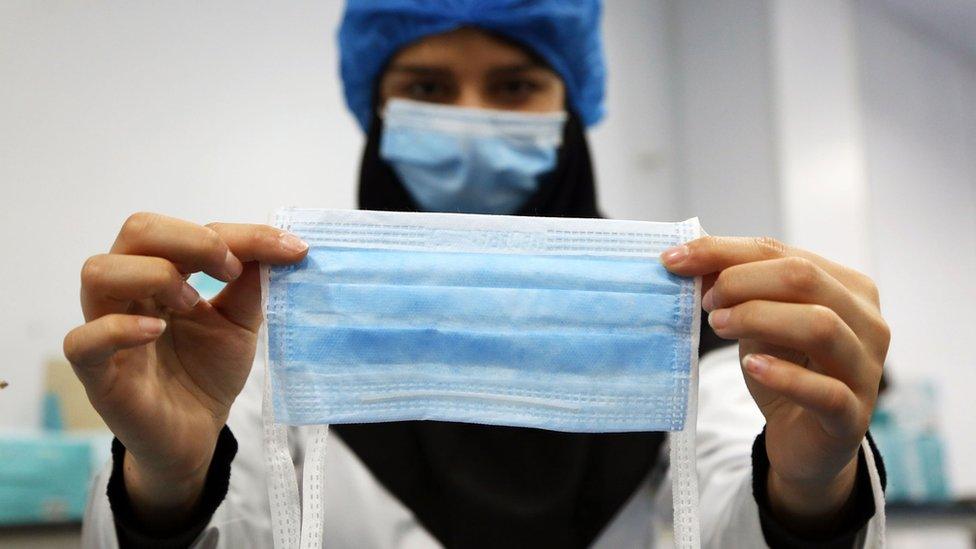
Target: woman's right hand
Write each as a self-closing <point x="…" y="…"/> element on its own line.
<point x="162" y="366"/>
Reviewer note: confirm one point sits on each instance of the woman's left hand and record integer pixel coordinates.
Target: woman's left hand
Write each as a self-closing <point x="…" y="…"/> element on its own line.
<point x="812" y="344"/>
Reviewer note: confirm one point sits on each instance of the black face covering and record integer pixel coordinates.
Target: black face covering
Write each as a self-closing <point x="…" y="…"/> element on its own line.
<point x="475" y="485"/>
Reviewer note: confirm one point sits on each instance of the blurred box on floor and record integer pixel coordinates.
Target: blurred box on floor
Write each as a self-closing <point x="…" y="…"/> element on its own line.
<point x="45" y="473"/>
<point x="44" y="477"/>
<point x="66" y="405"/>
<point x="905" y="427"/>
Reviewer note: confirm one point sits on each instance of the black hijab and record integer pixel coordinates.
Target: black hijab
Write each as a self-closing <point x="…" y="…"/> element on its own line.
<point x="476" y="485"/>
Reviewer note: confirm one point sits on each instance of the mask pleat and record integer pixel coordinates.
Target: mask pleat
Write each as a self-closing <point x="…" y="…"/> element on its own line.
<point x="464" y="307"/>
<point x="527" y="352"/>
<point x="558" y="272"/>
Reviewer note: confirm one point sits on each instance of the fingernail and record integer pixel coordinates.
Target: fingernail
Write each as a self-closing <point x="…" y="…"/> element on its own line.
<point x="708" y="300"/>
<point x="675" y="255"/>
<point x="719" y="318"/>
<point x="152" y="326"/>
<point x="189" y="296"/>
<point x="292" y="243"/>
<point x="232" y="267"/>
<point x="757" y="364"/>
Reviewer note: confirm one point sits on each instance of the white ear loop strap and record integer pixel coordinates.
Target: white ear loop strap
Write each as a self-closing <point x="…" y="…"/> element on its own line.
<point x="282" y="482"/>
<point x="684" y="485"/>
<point x="280" y="469"/>
<point x="313" y="488"/>
<point x="290" y="528"/>
<point x="294" y="523"/>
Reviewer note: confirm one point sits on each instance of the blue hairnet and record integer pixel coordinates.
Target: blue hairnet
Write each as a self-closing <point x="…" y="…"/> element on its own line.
<point x="564" y="33"/>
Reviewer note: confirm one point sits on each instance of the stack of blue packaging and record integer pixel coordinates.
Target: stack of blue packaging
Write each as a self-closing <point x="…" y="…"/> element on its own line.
<point x="44" y="477"/>
<point x="905" y="428"/>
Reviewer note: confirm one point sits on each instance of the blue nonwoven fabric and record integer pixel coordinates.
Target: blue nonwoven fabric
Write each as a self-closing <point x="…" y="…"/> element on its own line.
<point x="566" y="34"/>
<point x="551" y="323"/>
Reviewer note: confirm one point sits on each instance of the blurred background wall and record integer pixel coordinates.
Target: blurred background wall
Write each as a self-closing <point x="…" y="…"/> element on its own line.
<point x="848" y="127"/>
<point x="221" y="111"/>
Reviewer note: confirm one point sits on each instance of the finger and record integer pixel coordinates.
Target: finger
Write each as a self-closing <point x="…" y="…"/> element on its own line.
<point x="240" y="301"/>
<point x="110" y="282"/>
<point x="707" y="282"/>
<point x="834" y="403"/>
<point x="261" y="243"/>
<point x="192" y="246"/>
<point x="794" y="280"/>
<point x="90" y="345"/>
<point x="711" y="254"/>
<point x="813" y="330"/>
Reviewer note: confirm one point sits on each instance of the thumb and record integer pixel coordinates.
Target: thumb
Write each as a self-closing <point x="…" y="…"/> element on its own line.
<point x="240" y="301"/>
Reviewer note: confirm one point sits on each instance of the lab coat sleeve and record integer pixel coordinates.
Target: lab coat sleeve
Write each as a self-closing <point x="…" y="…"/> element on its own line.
<point x="728" y="423"/>
<point x="243" y="518"/>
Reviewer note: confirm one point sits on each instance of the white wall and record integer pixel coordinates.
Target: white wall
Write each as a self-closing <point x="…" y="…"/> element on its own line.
<point x="819" y="137"/>
<point x="919" y="98"/>
<point x="216" y="111"/>
<point x="632" y="147"/>
<point x="722" y="123"/>
<point x="223" y="110"/>
<point x="842" y="129"/>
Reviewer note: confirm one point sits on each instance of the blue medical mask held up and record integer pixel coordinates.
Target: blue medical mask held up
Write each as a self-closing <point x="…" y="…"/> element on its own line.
<point x="553" y="323"/>
<point x="463" y="160"/>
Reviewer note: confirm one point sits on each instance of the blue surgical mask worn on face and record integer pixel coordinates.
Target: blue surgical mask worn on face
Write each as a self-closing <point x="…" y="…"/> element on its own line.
<point x="553" y="323"/>
<point x="464" y="160"/>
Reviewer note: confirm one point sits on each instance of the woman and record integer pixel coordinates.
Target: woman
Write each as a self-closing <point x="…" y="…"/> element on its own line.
<point x="171" y="374"/>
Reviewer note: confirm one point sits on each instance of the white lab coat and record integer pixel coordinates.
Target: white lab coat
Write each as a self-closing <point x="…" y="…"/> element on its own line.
<point x="361" y="514"/>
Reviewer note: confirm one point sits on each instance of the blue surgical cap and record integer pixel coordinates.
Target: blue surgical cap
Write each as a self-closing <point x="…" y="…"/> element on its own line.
<point x="564" y="33"/>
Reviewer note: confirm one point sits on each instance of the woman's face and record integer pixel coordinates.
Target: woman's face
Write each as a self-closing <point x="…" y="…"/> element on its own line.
<point x="471" y="68"/>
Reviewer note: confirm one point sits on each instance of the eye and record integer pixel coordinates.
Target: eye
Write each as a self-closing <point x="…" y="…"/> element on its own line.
<point x="515" y="90"/>
<point x="428" y="90"/>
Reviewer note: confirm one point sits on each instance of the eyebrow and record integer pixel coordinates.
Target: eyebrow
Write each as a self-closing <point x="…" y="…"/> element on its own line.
<point x="420" y="69"/>
<point x="518" y="68"/>
<point x="434" y="70"/>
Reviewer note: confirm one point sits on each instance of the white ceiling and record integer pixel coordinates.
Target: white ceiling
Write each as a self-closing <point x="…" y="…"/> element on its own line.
<point x="951" y="21"/>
